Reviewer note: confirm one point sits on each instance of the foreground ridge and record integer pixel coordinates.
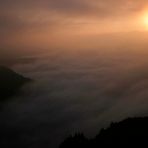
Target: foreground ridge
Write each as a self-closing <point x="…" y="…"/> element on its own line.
<point x="130" y="132"/>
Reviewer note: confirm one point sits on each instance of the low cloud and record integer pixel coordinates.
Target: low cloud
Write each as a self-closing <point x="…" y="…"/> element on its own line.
<point x="76" y="91"/>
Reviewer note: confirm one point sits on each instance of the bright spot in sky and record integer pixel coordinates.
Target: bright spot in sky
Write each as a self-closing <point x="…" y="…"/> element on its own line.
<point x="145" y="20"/>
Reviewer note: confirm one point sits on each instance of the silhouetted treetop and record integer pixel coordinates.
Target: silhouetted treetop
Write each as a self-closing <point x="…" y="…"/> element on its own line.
<point x="131" y="132"/>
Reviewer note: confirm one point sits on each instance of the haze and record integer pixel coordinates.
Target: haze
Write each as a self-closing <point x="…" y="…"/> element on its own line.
<point x="54" y="24"/>
<point x="88" y="61"/>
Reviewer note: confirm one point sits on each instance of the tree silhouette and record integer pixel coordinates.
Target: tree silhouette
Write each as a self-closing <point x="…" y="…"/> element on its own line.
<point x="131" y="132"/>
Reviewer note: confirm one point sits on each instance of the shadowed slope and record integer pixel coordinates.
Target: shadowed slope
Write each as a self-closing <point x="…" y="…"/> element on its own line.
<point x="10" y="82"/>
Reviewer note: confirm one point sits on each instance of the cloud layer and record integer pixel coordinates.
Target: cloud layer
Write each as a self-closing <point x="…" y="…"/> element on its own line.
<point x="80" y="90"/>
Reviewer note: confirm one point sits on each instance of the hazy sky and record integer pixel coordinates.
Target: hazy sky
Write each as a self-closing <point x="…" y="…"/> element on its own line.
<point x="93" y="68"/>
<point x="48" y="22"/>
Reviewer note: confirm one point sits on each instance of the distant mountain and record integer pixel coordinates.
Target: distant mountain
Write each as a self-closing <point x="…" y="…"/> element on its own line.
<point x="10" y="82"/>
<point x="132" y="132"/>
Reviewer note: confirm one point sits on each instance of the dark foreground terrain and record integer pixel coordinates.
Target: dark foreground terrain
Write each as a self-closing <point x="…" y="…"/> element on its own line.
<point x="132" y="132"/>
<point x="10" y="82"/>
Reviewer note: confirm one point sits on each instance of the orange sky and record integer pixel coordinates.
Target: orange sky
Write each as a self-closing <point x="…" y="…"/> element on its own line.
<point x="50" y="22"/>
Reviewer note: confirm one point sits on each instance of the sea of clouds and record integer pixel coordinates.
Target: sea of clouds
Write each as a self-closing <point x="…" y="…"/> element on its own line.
<point x="75" y="91"/>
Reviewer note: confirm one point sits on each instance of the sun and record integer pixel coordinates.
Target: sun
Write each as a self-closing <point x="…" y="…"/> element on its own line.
<point x="144" y="20"/>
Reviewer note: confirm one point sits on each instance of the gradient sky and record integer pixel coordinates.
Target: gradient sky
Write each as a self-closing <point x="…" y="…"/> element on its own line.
<point x="47" y="22"/>
<point x="92" y="69"/>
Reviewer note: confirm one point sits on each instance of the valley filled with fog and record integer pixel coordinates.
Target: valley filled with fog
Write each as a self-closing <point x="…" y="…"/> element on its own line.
<point x="77" y="90"/>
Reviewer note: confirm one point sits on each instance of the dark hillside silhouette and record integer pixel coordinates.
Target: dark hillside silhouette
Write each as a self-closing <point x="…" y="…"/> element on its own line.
<point x="10" y="82"/>
<point x="132" y="132"/>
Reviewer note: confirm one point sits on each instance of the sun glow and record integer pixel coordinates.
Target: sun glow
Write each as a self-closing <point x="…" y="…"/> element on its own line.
<point x="144" y="20"/>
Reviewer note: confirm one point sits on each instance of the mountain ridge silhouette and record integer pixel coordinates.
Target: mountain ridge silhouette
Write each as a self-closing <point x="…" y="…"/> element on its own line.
<point x="10" y="82"/>
<point x="131" y="132"/>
